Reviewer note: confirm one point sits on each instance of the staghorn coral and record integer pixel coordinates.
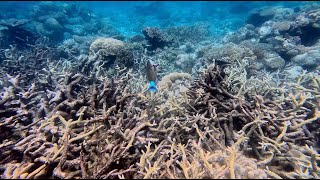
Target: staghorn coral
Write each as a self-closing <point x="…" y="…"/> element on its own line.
<point x="269" y="146"/>
<point x="78" y="120"/>
<point x="52" y="141"/>
<point x="30" y="61"/>
<point x="192" y="161"/>
<point x="265" y="121"/>
<point x="275" y="148"/>
<point x="242" y="85"/>
<point x="106" y="130"/>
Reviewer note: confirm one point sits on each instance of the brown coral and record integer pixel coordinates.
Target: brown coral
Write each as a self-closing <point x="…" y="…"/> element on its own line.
<point x="109" y="52"/>
<point x="109" y="45"/>
<point x="78" y="125"/>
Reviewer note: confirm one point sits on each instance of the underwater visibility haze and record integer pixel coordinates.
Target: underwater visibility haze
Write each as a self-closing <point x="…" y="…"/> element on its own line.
<point x="159" y="89"/>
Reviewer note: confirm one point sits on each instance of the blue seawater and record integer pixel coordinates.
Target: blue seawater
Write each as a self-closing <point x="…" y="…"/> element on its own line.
<point x="130" y="17"/>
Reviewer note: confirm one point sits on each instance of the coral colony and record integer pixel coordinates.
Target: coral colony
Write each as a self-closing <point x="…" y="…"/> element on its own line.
<point x="236" y="97"/>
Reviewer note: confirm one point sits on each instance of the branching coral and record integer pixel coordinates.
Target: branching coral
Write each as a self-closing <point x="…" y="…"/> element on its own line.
<point x="271" y="124"/>
<point x="75" y="122"/>
<point x="53" y="143"/>
<point x="241" y="84"/>
<point x="50" y="143"/>
<point x="82" y="109"/>
<point x="289" y="123"/>
<point x="192" y="161"/>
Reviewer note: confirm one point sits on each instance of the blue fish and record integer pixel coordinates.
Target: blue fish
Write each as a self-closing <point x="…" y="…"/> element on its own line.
<point x="152" y="76"/>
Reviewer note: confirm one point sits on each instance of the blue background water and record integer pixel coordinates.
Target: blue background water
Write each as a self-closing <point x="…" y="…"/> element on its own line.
<point x="129" y="17"/>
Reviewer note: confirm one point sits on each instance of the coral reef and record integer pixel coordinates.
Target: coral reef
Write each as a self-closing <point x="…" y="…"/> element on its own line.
<point x="14" y="33"/>
<point x="108" y="53"/>
<point x="309" y="59"/>
<point x="194" y="34"/>
<point x="258" y="16"/>
<point x="110" y="45"/>
<point x="293" y="36"/>
<point x="156" y="38"/>
<point x="75" y="104"/>
<point x="103" y="130"/>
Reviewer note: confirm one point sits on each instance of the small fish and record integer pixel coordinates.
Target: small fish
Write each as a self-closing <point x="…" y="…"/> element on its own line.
<point x="152" y="76"/>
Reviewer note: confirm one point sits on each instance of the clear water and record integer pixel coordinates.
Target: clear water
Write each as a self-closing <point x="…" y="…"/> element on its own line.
<point x="129" y="17"/>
